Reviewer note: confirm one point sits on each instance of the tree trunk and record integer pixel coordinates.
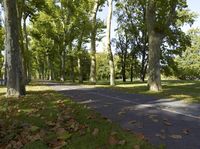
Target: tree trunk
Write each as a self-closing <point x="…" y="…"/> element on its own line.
<point x="132" y="72"/>
<point x="80" y="71"/>
<point x="93" y="43"/>
<point x="108" y="44"/>
<point x="15" y="85"/>
<point x="28" y="56"/>
<point x="71" y="58"/>
<point x="155" y="40"/>
<point x="123" y="71"/>
<point x="63" y="57"/>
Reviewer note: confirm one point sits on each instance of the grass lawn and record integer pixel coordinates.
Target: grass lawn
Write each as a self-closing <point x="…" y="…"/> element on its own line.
<point x="175" y="89"/>
<point x="45" y="119"/>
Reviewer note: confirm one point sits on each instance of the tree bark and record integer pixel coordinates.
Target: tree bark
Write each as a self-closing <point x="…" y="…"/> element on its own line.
<point x="93" y="43"/>
<point x="108" y="44"/>
<point x="28" y="56"/>
<point x="155" y="40"/>
<point x="80" y="71"/>
<point x="63" y="57"/>
<point x="15" y="85"/>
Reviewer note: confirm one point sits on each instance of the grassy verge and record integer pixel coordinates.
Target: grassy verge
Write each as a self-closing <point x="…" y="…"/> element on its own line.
<point x="175" y="89"/>
<point x="45" y="119"/>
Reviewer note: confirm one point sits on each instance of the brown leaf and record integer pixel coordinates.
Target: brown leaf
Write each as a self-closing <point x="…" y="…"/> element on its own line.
<point x="136" y="147"/>
<point x="112" y="140"/>
<point x="113" y="133"/>
<point x="57" y="144"/>
<point x="122" y="142"/>
<point x="60" y="131"/>
<point x="95" y="132"/>
<point x="140" y="136"/>
<point x="186" y="131"/>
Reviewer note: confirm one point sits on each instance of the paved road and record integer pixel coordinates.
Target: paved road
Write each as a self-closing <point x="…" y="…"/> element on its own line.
<point x="173" y="123"/>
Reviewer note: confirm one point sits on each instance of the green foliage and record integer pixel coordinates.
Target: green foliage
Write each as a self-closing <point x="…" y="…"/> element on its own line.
<point x="102" y="66"/>
<point x="132" y="33"/>
<point x="189" y="62"/>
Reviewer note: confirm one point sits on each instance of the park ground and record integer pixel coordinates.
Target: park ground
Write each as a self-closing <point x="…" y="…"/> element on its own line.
<point x="45" y="118"/>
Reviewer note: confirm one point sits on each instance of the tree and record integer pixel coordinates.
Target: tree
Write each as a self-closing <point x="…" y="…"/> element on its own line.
<point x="122" y="46"/>
<point x="15" y="85"/>
<point x="93" y="41"/>
<point x="189" y="61"/>
<point x="132" y="27"/>
<point x="155" y="40"/>
<point x="108" y="44"/>
<point x="162" y="19"/>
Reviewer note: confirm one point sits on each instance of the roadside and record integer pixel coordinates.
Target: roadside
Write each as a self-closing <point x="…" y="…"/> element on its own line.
<point x="187" y="90"/>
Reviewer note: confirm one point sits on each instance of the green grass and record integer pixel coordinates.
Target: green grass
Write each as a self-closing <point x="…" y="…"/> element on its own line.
<point x="188" y="91"/>
<point x="45" y="119"/>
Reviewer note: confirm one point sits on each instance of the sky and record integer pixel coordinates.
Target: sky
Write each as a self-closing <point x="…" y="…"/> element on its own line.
<point x="192" y="5"/>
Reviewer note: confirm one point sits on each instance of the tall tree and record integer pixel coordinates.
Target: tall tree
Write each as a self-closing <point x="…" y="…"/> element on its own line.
<point x="162" y="19"/>
<point x="155" y="40"/>
<point x="93" y="42"/>
<point x="15" y="85"/>
<point x="108" y="43"/>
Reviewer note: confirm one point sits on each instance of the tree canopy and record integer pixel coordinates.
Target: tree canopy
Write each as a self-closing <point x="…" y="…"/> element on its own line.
<point x="57" y="40"/>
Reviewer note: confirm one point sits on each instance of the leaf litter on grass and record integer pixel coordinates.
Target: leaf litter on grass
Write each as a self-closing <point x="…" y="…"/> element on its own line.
<point x="55" y="122"/>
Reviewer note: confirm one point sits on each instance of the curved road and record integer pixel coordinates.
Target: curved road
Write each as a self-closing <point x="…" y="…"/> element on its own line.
<point x="161" y="121"/>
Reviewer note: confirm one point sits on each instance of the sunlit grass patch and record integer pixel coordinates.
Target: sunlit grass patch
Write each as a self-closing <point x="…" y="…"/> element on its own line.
<point x="174" y="89"/>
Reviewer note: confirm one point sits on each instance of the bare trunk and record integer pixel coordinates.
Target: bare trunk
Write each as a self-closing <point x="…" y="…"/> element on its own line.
<point x="132" y="72"/>
<point x="124" y="71"/>
<point x="15" y="85"/>
<point x="80" y="72"/>
<point x="63" y="57"/>
<point x="72" y="75"/>
<point x="108" y="44"/>
<point x="93" y="43"/>
<point x="28" y="56"/>
<point x="155" y="40"/>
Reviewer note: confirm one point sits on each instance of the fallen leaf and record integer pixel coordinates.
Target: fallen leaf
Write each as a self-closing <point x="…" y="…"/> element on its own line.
<point x="140" y="136"/>
<point x="122" y="142"/>
<point x="65" y="135"/>
<point x="34" y="128"/>
<point x="57" y="144"/>
<point x="136" y="147"/>
<point x="121" y="113"/>
<point x="95" y="132"/>
<point x="186" y="131"/>
<point x="132" y="122"/>
<point x="176" y="136"/>
<point x="166" y="122"/>
<point x="155" y="120"/>
<point x="113" y="133"/>
<point x="162" y="136"/>
<point x="112" y="140"/>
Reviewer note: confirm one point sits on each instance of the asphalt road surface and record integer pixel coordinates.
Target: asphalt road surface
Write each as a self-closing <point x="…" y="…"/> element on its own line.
<point x="162" y="121"/>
